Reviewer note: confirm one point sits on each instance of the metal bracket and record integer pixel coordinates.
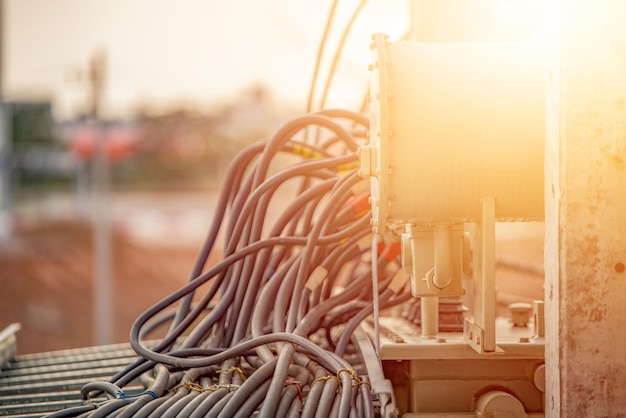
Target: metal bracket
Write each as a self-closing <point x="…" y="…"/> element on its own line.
<point x="380" y="386"/>
<point x="475" y="338"/>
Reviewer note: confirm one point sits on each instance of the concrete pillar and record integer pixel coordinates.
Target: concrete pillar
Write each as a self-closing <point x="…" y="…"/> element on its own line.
<point x="585" y="247"/>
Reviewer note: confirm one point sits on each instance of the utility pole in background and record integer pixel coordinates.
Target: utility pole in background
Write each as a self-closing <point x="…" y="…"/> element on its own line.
<point x="100" y="185"/>
<point x="5" y="148"/>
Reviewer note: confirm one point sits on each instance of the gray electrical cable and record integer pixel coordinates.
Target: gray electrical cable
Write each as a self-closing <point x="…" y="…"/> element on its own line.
<point x="193" y="405"/>
<point x="109" y="388"/>
<point x="257" y="338"/>
<point x="291" y="393"/>
<point x="215" y="412"/>
<point x="209" y="402"/>
<point x="268" y="410"/>
<point x="262" y="374"/>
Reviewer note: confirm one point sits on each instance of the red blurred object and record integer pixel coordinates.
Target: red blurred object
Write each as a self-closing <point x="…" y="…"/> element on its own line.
<point x="119" y="142"/>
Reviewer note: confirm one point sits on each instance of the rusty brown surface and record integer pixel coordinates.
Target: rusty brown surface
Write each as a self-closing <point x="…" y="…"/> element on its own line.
<point x="46" y="283"/>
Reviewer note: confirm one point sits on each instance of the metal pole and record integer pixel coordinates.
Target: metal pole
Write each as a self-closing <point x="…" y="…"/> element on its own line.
<point x="103" y="283"/>
<point x="5" y="147"/>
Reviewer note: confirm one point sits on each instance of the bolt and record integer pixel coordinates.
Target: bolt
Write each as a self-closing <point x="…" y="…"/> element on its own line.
<point x="524" y="340"/>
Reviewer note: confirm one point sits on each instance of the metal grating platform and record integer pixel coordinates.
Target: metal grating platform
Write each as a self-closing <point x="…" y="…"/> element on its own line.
<point x="34" y="385"/>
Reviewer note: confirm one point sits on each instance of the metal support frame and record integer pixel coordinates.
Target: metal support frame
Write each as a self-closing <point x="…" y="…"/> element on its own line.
<point x="480" y="332"/>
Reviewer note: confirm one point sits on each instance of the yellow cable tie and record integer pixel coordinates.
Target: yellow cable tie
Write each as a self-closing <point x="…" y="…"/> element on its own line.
<point x="196" y="386"/>
<point x="363" y="382"/>
<point x="351" y="372"/>
<point x="306" y="151"/>
<point x="175" y="388"/>
<point x="325" y="378"/>
<point x="228" y="386"/>
<point x="234" y="369"/>
<point x="189" y="386"/>
<point x="348" y="167"/>
<point x="353" y="375"/>
<point x="297" y="148"/>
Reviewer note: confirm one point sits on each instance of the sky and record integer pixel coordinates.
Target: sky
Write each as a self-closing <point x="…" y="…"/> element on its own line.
<point x="196" y="54"/>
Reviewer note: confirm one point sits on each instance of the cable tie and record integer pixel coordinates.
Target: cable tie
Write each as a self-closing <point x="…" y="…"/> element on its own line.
<point x="189" y="386"/>
<point x="228" y="386"/>
<point x="296" y="148"/>
<point x="149" y="392"/>
<point x="344" y="168"/>
<point x="360" y="204"/>
<point x="121" y="395"/>
<point x="391" y="250"/>
<point x="400" y="278"/>
<point x="327" y="377"/>
<point x="306" y="151"/>
<point x="234" y="369"/>
<point x="316" y="278"/>
<point x="353" y="375"/>
<point x="351" y="372"/>
<point x="362" y="382"/>
<point x="298" y="386"/>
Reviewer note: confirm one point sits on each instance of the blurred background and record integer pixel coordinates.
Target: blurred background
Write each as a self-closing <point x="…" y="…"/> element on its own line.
<point x="117" y="122"/>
